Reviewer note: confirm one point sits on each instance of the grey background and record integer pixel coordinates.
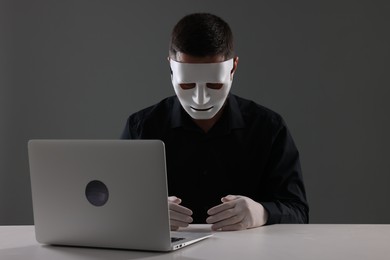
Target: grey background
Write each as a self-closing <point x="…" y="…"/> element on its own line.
<point x="77" y="69"/>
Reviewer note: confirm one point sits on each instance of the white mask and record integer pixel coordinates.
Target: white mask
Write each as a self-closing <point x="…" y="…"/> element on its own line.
<point x="202" y="101"/>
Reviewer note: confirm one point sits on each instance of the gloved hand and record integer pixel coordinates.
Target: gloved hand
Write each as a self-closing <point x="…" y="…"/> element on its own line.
<point x="179" y="216"/>
<point x="237" y="213"/>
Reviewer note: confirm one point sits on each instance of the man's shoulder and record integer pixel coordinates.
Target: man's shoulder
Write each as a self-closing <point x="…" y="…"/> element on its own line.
<point x="253" y="111"/>
<point x="150" y="121"/>
<point x="159" y="110"/>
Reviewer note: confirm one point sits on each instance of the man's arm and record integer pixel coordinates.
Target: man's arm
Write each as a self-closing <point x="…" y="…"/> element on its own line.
<point x="285" y="191"/>
<point x="283" y="199"/>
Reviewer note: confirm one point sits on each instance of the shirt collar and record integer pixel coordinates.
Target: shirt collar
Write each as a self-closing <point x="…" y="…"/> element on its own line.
<point x="180" y="118"/>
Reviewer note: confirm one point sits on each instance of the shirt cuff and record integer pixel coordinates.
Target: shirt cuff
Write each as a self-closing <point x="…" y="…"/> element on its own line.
<point x="273" y="212"/>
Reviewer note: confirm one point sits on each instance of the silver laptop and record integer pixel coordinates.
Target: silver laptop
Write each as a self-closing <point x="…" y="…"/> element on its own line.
<point x="103" y="193"/>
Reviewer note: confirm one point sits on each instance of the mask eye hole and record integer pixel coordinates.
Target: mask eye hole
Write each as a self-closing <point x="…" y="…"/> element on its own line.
<point x="214" y="85"/>
<point x="187" y="85"/>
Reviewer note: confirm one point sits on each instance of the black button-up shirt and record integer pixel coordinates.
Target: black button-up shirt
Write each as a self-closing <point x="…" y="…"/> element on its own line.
<point x="249" y="152"/>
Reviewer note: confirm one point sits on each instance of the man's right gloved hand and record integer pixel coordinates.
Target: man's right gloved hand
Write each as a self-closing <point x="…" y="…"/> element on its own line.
<point x="179" y="216"/>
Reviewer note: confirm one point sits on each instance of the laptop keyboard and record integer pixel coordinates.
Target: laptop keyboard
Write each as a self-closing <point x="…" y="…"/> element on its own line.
<point x="175" y="239"/>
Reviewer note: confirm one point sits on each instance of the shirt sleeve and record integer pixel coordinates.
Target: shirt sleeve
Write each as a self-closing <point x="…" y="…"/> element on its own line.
<point x="286" y="200"/>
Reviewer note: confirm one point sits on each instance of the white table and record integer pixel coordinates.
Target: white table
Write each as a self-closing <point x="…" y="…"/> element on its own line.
<point x="311" y="242"/>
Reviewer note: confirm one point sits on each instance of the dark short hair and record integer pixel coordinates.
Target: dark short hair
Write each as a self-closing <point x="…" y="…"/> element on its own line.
<point x="201" y="35"/>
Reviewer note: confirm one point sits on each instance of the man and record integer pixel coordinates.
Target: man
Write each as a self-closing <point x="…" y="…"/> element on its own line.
<point x="231" y="162"/>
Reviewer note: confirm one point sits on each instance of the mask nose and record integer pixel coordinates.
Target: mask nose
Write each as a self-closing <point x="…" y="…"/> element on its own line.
<point x="201" y="96"/>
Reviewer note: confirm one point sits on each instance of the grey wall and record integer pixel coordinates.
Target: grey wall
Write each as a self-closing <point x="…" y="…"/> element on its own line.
<point x="77" y="69"/>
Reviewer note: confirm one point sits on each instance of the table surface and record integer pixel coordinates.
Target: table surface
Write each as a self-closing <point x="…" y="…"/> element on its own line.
<point x="285" y="241"/>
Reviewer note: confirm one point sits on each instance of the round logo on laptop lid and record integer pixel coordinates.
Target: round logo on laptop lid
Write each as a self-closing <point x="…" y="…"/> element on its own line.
<point x="96" y="193"/>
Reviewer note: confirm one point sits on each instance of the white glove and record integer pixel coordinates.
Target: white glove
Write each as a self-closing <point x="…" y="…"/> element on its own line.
<point x="237" y="213"/>
<point x="179" y="216"/>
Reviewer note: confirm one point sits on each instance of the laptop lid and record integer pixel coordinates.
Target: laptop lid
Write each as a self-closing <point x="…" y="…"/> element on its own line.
<point x="100" y="193"/>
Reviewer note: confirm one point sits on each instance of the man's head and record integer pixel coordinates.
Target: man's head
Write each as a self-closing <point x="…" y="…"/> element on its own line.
<point x="202" y="63"/>
<point x="201" y="35"/>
